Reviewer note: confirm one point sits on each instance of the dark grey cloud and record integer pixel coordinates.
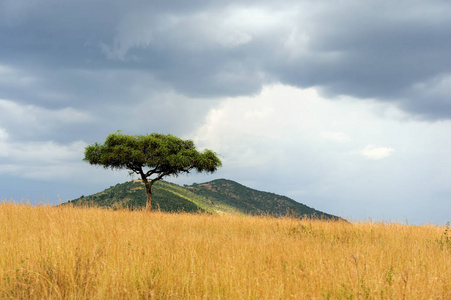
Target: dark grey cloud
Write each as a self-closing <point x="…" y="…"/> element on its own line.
<point x="385" y="52"/>
<point x="82" y="53"/>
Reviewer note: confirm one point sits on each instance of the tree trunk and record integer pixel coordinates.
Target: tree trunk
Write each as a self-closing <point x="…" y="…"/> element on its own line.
<point x="148" y="187"/>
<point x="149" y="196"/>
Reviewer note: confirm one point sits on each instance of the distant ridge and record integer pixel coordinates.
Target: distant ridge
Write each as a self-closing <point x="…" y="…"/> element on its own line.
<point x="253" y="202"/>
<point x="219" y="196"/>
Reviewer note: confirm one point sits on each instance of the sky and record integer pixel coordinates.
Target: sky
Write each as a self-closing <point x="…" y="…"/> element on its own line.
<point x="343" y="106"/>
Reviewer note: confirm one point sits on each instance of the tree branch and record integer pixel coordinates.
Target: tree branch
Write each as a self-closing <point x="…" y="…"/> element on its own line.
<point x="133" y="168"/>
<point x="153" y="171"/>
<point x="160" y="176"/>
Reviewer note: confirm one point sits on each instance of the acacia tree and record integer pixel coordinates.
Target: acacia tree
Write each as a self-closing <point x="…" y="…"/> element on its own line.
<point x="151" y="156"/>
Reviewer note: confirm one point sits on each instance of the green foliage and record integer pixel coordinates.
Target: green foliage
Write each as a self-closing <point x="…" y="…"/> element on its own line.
<point x="162" y="154"/>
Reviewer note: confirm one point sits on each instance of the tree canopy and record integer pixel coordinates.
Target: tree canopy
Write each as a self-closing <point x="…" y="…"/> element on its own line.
<point x="151" y="156"/>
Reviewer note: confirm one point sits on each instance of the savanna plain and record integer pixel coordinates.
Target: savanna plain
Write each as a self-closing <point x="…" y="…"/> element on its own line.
<point x="90" y="253"/>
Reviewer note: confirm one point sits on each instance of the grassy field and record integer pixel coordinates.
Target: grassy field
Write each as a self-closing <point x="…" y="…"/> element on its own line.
<point x="87" y="253"/>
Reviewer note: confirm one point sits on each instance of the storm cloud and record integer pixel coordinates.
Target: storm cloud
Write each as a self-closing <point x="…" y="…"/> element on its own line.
<point x="390" y="51"/>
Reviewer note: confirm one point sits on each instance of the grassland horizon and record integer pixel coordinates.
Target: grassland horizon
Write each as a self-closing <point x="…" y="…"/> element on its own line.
<point x="90" y="253"/>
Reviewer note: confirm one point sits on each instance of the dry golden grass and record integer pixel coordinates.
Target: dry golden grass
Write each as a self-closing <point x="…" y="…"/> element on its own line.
<point x="87" y="253"/>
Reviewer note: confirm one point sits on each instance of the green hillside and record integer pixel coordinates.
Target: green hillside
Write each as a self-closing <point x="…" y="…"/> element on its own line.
<point x="253" y="202"/>
<point x="217" y="197"/>
<point x="166" y="197"/>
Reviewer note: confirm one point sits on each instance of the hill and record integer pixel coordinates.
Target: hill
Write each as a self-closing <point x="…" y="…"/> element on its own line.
<point x="219" y="196"/>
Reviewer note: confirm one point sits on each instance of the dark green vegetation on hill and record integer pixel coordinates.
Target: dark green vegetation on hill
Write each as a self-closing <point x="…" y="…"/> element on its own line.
<point x="218" y="196"/>
<point x="252" y="202"/>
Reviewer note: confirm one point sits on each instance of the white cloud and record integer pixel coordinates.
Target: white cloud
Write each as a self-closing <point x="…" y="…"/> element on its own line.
<point x="294" y="142"/>
<point x="376" y="152"/>
<point x="46" y="152"/>
<point x="39" y="160"/>
<point x="337" y="136"/>
<point x="29" y="158"/>
<point x="285" y="129"/>
<point x="3" y="134"/>
<point x="284" y="118"/>
<point x="3" y="139"/>
<point x="31" y="121"/>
